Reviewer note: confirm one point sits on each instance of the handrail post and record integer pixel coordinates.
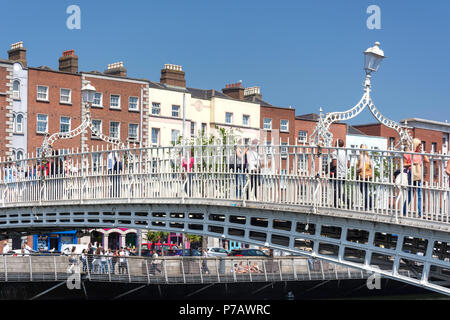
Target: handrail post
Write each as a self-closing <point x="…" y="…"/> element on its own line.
<point x="88" y="266"/>
<point x="265" y="270"/>
<point x="128" y="269"/>
<point x="217" y="269"/>
<point x="294" y="269"/>
<point x="54" y="264"/>
<point x="279" y="268"/>
<point x="182" y="270"/>
<point x="249" y="271"/>
<point x="165" y="270"/>
<point x="148" y="274"/>
<point x="31" y="268"/>
<point x="200" y="268"/>
<point x="6" y="268"/>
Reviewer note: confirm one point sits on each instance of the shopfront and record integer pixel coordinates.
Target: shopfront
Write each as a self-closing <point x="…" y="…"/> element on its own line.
<point x="54" y="240"/>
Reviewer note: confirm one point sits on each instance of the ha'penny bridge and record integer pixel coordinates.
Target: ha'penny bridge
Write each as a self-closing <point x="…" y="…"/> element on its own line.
<point x="382" y="228"/>
<point x="373" y="221"/>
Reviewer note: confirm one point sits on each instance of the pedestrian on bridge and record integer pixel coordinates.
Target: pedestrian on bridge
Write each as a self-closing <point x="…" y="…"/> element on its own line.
<point x="413" y="164"/>
<point x="339" y="166"/>
<point x="205" y="268"/>
<point x="364" y="170"/>
<point x="254" y="167"/>
<point x="188" y="172"/>
<point x="238" y="166"/>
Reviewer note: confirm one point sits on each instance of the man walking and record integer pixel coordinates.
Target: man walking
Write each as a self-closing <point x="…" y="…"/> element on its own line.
<point x="340" y="163"/>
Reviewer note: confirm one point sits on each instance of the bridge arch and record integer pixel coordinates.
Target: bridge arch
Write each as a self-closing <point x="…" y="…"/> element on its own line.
<point x="407" y="253"/>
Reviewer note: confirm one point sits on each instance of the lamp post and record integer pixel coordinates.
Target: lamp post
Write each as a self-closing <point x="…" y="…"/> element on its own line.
<point x="322" y="136"/>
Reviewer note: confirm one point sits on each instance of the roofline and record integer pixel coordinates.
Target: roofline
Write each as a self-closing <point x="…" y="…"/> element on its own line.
<point x="425" y="121"/>
<point x="109" y="76"/>
<point x="55" y="71"/>
<point x="276" y="107"/>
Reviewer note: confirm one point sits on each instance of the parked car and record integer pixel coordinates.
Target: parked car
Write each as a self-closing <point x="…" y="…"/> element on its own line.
<point x="247" y="253"/>
<point x="186" y="253"/>
<point x="217" y="252"/>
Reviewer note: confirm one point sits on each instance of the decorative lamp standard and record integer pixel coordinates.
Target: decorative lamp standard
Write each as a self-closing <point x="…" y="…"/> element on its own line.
<point x="87" y="93"/>
<point x="322" y="136"/>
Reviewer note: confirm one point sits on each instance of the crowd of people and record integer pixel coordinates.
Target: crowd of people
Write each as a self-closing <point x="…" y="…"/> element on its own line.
<point x="249" y="164"/>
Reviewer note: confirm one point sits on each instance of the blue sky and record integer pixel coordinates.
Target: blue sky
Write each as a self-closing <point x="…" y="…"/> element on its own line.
<point x="305" y="54"/>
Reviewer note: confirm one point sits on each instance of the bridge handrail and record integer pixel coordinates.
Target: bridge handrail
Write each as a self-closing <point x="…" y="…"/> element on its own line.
<point x="292" y="174"/>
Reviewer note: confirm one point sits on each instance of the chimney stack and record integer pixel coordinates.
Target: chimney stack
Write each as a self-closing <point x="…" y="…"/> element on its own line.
<point x="116" y="69"/>
<point x="18" y="53"/>
<point x="234" y="90"/>
<point x="68" y="62"/>
<point x="173" y="75"/>
<point x="253" y="92"/>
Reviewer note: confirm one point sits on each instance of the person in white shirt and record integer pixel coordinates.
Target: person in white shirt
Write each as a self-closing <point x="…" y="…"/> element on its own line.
<point x="339" y="166"/>
<point x="26" y="249"/>
<point x="253" y="165"/>
<point x="6" y="248"/>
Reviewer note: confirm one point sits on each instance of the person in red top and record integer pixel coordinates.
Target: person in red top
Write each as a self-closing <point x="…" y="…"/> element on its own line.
<point x="184" y="164"/>
<point x="413" y="164"/>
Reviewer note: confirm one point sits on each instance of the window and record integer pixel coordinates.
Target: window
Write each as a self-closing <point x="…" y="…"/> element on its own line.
<point x="133" y="103"/>
<point x="302" y="136"/>
<point x="38" y="152"/>
<point x="284" y="125"/>
<point x="423" y="147"/>
<point x="391" y="142"/>
<point x="284" y="150"/>
<point x="114" y="130"/>
<point x="42" y="93"/>
<point x="64" y="124"/>
<point x="203" y="128"/>
<point x="228" y="117"/>
<point x="433" y="147"/>
<point x="19" y="123"/>
<point x="42" y="123"/>
<point x="98" y="100"/>
<point x="115" y="101"/>
<point x="192" y="128"/>
<point x="65" y="96"/>
<point x="156" y="108"/>
<point x="246" y="120"/>
<point x="302" y="164"/>
<point x="155" y="136"/>
<point x="16" y="90"/>
<point x="267" y="124"/>
<point x="268" y="149"/>
<point x="97" y="124"/>
<point x="175" y="111"/>
<point x="19" y="155"/>
<point x="133" y="131"/>
<point x="247" y="141"/>
<point x="175" y="135"/>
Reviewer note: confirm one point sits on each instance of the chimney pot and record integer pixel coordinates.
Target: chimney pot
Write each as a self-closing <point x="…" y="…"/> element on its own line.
<point x="116" y="69"/>
<point x="234" y="90"/>
<point x="173" y="75"/>
<point x="18" y="53"/>
<point x="68" y="62"/>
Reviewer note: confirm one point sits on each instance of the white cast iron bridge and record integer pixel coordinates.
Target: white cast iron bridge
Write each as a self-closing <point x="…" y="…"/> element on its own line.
<point x="292" y="202"/>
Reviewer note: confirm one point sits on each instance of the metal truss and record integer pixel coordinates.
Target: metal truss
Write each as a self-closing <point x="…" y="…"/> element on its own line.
<point x="407" y="253"/>
<point x="322" y="135"/>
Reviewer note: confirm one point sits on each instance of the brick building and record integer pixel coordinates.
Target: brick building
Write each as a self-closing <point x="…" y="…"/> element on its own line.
<point x="433" y="134"/>
<point x="305" y="125"/>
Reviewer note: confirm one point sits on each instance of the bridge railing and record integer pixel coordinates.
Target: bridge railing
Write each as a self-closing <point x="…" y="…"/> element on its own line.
<point x="284" y="174"/>
<point x="171" y="270"/>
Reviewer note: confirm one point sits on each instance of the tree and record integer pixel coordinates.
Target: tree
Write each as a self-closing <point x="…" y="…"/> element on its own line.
<point x="155" y="237"/>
